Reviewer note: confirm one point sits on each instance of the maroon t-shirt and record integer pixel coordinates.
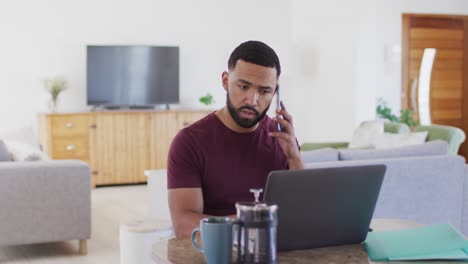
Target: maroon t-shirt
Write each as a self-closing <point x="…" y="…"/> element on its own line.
<point x="224" y="163"/>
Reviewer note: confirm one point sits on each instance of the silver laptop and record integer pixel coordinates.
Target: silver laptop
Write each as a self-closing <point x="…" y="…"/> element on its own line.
<point x="324" y="207"/>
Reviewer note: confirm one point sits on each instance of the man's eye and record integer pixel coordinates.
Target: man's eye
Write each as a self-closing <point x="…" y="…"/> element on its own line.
<point x="265" y="91"/>
<point x="242" y="86"/>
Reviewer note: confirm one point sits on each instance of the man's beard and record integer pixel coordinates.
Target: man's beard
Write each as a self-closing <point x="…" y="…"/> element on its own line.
<point x="244" y="122"/>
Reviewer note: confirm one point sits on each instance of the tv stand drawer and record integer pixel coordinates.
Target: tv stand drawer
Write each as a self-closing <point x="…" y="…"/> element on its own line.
<point x="68" y="125"/>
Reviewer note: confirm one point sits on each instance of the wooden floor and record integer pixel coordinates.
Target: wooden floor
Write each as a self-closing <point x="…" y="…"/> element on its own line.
<point x="110" y="207"/>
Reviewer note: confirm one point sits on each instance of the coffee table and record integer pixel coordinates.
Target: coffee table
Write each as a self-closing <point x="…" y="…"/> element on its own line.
<point x="181" y="251"/>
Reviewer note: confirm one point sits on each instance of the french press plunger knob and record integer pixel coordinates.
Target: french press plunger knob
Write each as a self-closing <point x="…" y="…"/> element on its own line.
<point x="256" y="193"/>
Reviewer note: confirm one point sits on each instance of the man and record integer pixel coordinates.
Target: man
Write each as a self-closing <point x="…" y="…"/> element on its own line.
<point x="213" y="163"/>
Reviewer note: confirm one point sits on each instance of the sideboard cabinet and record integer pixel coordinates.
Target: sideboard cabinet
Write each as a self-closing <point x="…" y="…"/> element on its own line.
<point x="118" y="145"/>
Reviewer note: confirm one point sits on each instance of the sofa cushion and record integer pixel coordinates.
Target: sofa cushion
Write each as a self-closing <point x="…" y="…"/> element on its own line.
<point x="4" y="154"/>
<point x="320" y="155"/>
<point x="364" y="136"/>
<point x="432" y="148"/>
<point x="25" y="135"/>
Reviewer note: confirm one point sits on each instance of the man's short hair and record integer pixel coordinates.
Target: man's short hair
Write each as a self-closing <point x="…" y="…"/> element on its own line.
<point x="255" y="52"/>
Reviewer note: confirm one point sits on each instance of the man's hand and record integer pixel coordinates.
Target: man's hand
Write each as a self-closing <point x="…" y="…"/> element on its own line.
<point x="186" y="207"/>
<point x="287" y="139"/>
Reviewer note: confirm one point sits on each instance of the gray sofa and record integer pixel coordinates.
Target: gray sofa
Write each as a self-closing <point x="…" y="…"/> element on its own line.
<point x="45" y="201"/>
<point x="422" y="183"/>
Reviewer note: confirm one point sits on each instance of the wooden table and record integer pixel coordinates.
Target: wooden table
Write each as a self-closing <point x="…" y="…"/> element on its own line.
<point x="181" y="251"/>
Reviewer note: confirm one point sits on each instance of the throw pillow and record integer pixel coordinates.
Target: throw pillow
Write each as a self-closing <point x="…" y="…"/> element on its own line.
<point x="24" y="135"/>
<point x="388" y="140"/>
<point x="319" y="155"/>
<point x="365" y="135"/>
<point x="24" y="152"/>
<point x="4" y="155"/>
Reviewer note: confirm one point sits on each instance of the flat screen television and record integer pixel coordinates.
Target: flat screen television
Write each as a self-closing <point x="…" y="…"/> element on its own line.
<point x="132" y="76"/>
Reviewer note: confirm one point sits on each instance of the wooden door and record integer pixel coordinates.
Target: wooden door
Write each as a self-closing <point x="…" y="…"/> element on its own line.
<point x="120" y="147"/>
<point x="449" y="82"/>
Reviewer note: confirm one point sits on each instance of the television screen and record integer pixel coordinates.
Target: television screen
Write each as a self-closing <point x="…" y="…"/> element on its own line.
<point x="132" y="75"/>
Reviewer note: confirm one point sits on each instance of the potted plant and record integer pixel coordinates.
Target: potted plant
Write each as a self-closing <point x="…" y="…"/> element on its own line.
<point x="55" y="86"/>
<point x="207" y="99"/>
<point x="406" y="115"/>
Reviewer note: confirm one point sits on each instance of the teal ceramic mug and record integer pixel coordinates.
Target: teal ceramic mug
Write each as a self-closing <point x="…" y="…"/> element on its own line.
<point x="216" y="237"/>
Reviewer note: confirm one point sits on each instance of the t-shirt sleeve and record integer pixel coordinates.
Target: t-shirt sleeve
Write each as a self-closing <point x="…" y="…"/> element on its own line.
<point x="183" y="164"/>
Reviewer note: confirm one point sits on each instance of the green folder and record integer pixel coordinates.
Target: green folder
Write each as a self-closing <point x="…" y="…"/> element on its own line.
<point x="432" y="242"/>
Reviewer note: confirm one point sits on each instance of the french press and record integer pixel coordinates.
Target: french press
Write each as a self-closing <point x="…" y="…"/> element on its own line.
<point x="256" y="231"/>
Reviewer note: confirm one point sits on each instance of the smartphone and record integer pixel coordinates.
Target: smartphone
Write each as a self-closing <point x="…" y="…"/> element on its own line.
<point x="280" y="128"/>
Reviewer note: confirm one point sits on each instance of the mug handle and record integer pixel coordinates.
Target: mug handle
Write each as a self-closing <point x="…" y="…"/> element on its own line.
<point x="194" y="243"/>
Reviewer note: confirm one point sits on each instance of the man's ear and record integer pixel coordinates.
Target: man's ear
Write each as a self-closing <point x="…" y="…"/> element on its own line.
<point x="225" y="80"/>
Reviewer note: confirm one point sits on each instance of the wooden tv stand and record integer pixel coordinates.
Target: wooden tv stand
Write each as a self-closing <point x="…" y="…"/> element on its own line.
<point x="118" y="145"/>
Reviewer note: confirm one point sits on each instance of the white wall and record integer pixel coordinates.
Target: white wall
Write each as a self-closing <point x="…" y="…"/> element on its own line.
<point x="332" y="52"/>
<point x="42" y="39"/>
<point x="334" y="59"/>
<point x="366" y="60"/>
<point x="389" y="13"/>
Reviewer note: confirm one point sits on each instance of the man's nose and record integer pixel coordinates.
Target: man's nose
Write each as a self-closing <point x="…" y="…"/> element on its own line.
<point x="252" y="97"/>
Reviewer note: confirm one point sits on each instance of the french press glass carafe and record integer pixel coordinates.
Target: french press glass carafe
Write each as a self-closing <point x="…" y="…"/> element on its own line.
<point x="256" y="231"/>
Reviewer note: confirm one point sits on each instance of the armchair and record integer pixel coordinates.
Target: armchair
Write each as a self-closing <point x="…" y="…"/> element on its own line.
<point x="454" y="136"/>
<point x="45" y="201"/>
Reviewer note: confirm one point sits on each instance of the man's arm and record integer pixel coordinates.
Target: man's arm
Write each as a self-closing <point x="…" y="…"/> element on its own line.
<point x="296" y="164"/>
<point x="186" y="207"/>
